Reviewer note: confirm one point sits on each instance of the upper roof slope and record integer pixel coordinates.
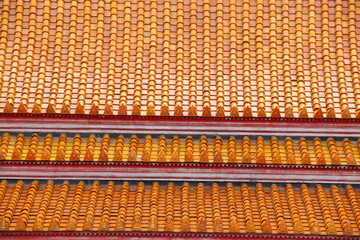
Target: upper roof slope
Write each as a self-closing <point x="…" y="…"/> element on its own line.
<point x="274" y="58"/>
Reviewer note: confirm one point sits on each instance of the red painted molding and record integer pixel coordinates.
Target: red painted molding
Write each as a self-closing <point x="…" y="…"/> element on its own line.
<point x="142" y="171"/>
<point x="156" y="235"/>
<point x="180" y="125"/>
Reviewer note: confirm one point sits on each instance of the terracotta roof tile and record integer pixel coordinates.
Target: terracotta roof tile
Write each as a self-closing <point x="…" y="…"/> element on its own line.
<point x="199" y="207"/>
<point x="285" y="58"/>
<point x="261" y="150"/>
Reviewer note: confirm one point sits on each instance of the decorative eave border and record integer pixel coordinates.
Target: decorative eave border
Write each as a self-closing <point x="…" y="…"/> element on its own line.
<point x="236" y="126"/>
<point x="143" y="171"/>
<point x="156" y="235"/>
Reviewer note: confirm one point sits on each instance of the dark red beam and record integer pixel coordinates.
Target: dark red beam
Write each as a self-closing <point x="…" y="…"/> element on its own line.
<point x="156" y="235"/>
<point x="179" y="125"/>
<point x="179" y="172"/>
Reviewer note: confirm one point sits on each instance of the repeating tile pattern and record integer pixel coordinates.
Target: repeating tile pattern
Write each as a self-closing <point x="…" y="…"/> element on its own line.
<point x="195" y="207"/>
<point x="264" y="58"/>
<point x="133" y="148"/>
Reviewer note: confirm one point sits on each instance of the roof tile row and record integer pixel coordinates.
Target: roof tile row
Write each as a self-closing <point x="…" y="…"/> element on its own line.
<point x="201" y="149"/>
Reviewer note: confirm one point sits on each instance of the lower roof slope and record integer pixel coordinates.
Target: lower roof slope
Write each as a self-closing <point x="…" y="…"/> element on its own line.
<point x="185" y="207"/>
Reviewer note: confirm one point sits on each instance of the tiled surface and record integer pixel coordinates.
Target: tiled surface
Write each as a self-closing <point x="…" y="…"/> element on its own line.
<point x="132" y="148"/>
<point x="287" y="58"/>
<point x="196" y="207"/>
<point x="272" y="58"/>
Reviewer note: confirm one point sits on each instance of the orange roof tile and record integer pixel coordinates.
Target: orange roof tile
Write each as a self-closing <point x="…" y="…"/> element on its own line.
<point x="196" y="207"/>
<point x="286" y="58"/>
<point x="132" y="148"/>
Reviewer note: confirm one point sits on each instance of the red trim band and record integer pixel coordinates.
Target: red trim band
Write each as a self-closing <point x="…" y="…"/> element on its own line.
<point x="156" y="235"/>
<point x="142" y="171"/>
<point x="179" y="125"/>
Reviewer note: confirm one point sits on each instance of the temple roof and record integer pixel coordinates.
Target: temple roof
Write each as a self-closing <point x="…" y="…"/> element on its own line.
<point x="172" y="206"/>
<point x="195" y="58"/>
<point x="201" y="149"/>
<point x="173" y="119"/>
